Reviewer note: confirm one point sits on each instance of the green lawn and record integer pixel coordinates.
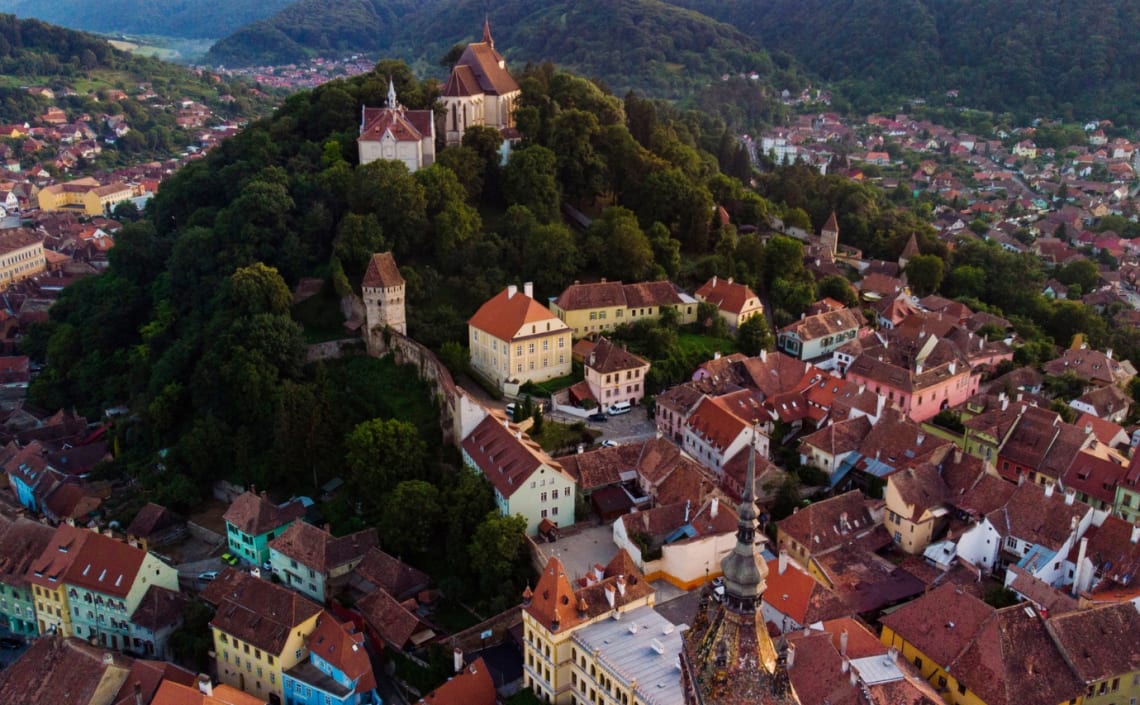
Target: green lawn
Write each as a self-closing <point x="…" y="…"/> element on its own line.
<point x="559" y="436"/>
<point x="551" y="386"/>
<point x="692" y="343"/>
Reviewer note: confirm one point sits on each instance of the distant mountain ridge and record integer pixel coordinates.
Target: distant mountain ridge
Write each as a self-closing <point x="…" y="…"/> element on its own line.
<point x="1046" y="58"/>
<point x="647" y="44"/>
<point x="195" y="19"/>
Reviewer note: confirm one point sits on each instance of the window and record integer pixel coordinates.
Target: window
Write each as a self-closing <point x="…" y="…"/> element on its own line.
<point x="554" y="494"/>
<point x="961" y="689"/>
<point x="554" y="511"/>
<point x="543" y="513"/>
<point x="545" y="345"/>
<point x="518" y="351"/>
<point x="543" y="497"/>
<point x="530" y="348"/>
<point x="918" y="662"/>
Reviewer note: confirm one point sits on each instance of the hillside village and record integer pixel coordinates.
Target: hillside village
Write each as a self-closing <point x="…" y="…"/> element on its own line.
<point x="878" y="506"/>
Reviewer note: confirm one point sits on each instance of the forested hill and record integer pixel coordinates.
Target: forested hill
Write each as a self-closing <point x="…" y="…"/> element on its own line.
<point x="36" y="53"/>
<point x="1030" y="57"/>
<point x="198" y="19"/>
<point x="644" y="44"/>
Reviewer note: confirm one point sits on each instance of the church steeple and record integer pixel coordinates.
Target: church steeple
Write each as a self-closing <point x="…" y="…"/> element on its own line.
<point x="744" y="572"/>
<point x="392" y="103"/>
<point x="487" y="39"/>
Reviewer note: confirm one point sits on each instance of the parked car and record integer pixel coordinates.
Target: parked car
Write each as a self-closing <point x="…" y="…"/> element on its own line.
<point x="622" y="407"/>
<point x="511" y="409"/>
<point x="229" y="558"/>
<point x="599" y="417"/>
<point x="207" y="576"/>
<point x="610" y="444"/>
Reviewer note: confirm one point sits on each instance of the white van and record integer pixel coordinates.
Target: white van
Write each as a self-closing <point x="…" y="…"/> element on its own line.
<point x="621" y="407"/>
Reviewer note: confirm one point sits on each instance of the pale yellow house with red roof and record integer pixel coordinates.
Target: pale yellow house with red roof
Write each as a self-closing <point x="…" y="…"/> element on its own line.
<point x="735" y="301"/>
<point x="514" y="340"/>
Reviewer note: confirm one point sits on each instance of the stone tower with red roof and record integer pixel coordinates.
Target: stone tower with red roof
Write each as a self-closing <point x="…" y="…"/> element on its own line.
<point x="829" y="237"/>
<point x="383" y="292"/>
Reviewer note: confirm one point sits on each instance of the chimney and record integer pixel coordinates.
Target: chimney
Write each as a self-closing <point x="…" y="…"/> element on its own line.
<point x="205" y="686"/>
<point x="108" y="659"/>
<point x="687" y="506"/>
<point x="1108" y="353"/>
<point x="791" y="656"/>
<point x="843" y="643"/>
<point x="920" y="438"/>
<point x="138" y="693"/>
<point x="1136" y="532"/>
<point x="783" y="564"/>
<point x="610" y="595"/>
<point x="893" y="654"/>
<point x="457" y="659"/>
<point x="854" y="679"/>
<point x="528" y="289"/>
<point x="714" y="281"/>
<point x="716" y="355"/>
<point x="1070" y="495"/>
<point x="715" y="507"/>
<point x="763" y="355"/>
<point x="581" y="448"/>
<point x="620" y="582"/>
<point x="1049" y="489"/>
<point x="1020" y="478"/>
<point x="845" y="666"/>
<point x="511" y="291"/>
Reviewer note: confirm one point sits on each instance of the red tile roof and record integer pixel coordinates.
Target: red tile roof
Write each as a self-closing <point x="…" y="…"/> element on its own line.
<point x="555" y="600"/>
<point x="382" y="272"/>
<point x="606" y="357"/>
<point x="21" y="542"/>
<point x="380" y="570"/>
<point x="403" y="125"/>
<point x="824" y="525"/>
<point x="339" y="645"/>
<point x="257" y="611"/>
<point x="715" y="423"/>
<point x="91" y="560"/>
<point x="800" y="596"/>
<point x="506" y="455"/>
<point x="505" y="315"/>
<point x="318" y="549"/>
<point x="390" y="619"/>
<point x="729" y="296"/>
<point x="159" y="608"/>
<point x="256" y="515"/>
<point x="471" y="686"/>
<point x="58" y="670"/>
<point x="1101" y="642"/>
<point x="486" y="66"/>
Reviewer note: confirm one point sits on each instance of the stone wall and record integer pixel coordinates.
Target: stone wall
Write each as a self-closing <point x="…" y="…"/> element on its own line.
<point x="432" y="371"/>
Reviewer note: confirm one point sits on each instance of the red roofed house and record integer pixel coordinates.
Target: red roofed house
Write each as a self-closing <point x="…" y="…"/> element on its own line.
<point x="736" y="302"/>
<point x="514" y="339"/>
<point x="397" y="134"/>
<point x="338" y="672"/>
<point x="714" y="432"/>
<point x="689" y="538"/>
<point x="470" y="686"/>
<point x="479" y="92"/>
<point x="526" y="480"/>
<point x="614" y="374"/>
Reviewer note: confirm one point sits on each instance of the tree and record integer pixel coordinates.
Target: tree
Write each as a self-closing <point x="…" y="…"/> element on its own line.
<point x="386" y="190"/>
<point x="409" y="517"/>
<point x="924" y="273"/>
<point x="710" y="321"/>
<point x="622" y="249"/>
<point x="837" y="287"/>
<point x="529" y="179"/>
<point x="379" y="454"/>
<point x="358" y="237"/>
<point x="497" y="552"/>
<point x="754" y="335"/>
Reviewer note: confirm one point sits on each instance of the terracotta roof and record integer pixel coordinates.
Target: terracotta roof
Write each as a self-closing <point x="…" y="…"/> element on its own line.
<point x="861" y="641"/>
<point x="817" y="672"/>
<point x="150" y="675"/>
<point x="661" y="521"/>
<point x="471" y="686"/>
<point x="1094" y="477"/>
<point x="607" y="358"/>
<point x="920" y="487"/>
<point x="506" y="455"/>
<point x="391" y="620"/>
<point x="832" y="225"/>
<point x="403" y="125"/>
<point x="462" y="83"/>
<point x="91" y="560"/>
<point x="318" y="549"/>
<point x="1031" y="516"/>
<point x="601" y="467"/>
<point x="382" y="272"/>
<point x="818" y="528"/>
<point x="505" y="315"/>
<point x="151" y="519"/>
<point x="1039" y="593"/>
<point x="342" y="647"/>
<point x="170" y="693"/>
<point x="488" y="69"/>
<point x="825" y="324"/>
<point x="554" y="599"/>
<point x="800" y="596"/>
<point x="594" y="295"/>
<point x="1112" y="553"/>
<point x="1106" y="400"/>
<point x="21" y="542"/>
<point x="986" y="495"/>
<point x="714" y="423"/>
<point x="1091" y="365"/>
<point x="865" y="581"/>
<point x="941" y="623"/>
<point x="257" y="611"/>
<point x="18" y="238"/>
<point x="839" y="437"/>
<point x="1100" y="642"/>
<point x="658" y="293"/>
<point x="159" y="608"/>
<point x="57" y="670"/>
<point x="390" y="574"/>
<point x="256" y="515"/>
<point x="729" y="296"/>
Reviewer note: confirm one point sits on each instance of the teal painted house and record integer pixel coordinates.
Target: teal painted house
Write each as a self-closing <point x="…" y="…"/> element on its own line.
<point x="252" y="521"/>
<point x="21" y="542"/>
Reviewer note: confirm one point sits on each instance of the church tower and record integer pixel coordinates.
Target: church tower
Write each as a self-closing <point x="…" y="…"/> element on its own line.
<point x="383" y="290"/>
<point x="728" y="656"/>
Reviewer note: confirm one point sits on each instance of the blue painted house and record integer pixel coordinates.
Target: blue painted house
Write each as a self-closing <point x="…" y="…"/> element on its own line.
<point x="30" y="474"/>
<point x="252" y="521"/>
<point x="338" y="671"/>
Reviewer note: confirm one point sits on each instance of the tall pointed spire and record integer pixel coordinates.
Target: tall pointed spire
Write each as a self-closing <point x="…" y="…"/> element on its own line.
<point x="744" y="572"/>
<point x="392" y="94"/>
<point x="487" y="32"/>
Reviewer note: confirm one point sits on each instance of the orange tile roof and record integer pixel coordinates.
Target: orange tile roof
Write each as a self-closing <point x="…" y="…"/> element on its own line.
<point x="505" y="455"/>
<point x="800" y="596"/>
<point x="471" y="686"/>
<point x="505" y="315"/>
<point x="91" y="560"/>
<point x="607" y="357"/>
<point x="257" y="611"/>
<point x="488" y="69"/>
<point x="404" y="125"/>
<point x="339" y="645"/>
<point x="171" y="693"/>
<point x="715" y="423"/>
<point x="728" y="295"/>
<point x="255" y="514"/>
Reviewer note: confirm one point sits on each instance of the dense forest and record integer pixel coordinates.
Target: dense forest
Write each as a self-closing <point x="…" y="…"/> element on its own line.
<point x="1032" y="58"/>
<point x="643" y="44"/>
<point x="205" y="19"/>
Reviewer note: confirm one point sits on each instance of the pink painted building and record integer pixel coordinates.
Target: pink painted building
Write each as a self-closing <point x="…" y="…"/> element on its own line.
<point x="921" y="376"/>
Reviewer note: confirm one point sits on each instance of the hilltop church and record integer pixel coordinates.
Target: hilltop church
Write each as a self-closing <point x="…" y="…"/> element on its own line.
<point x="397" y="134"/>
<point x="479" y="92"/>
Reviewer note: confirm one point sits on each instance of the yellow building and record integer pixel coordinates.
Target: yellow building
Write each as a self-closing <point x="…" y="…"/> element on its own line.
<point x="21" y="255"/>
<point x="555" y="611"/>
<point x="589" y="309"/>
<point x="1102" y="645"/>
<point x="915" y="509"/>
<point x="977" y="655"/>
<point x="736" y="302"/>
<point x="259" y="632"/>
<point x="85" y="195"/>
<point x="514" y="340"/>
